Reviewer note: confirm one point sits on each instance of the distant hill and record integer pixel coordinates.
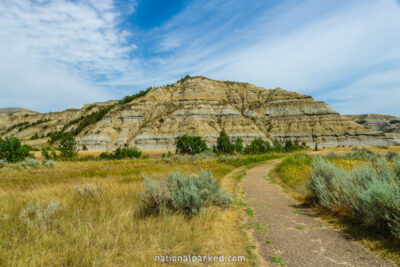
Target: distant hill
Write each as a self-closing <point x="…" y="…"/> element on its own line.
<point x="388" y="124"/>
<point x="153" y="119"/>
<point x="15" y="110"/>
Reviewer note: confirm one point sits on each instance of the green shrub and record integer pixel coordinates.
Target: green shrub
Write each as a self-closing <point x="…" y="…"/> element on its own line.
<point x="30" y="163"/>
<point x="49" y="163"/>
<point x="390" y="155"/>
<point x="12" y="150"/>
<point x="258" y="146"/>
<point x="362" y="154"/>
<point x="122" y="153"/>
<point x="130" y="98"/>
<point x="92" y="118"/>
<point x="394" y="121"/>
<point x="224" y="144"/>
<point x="45" y="153"/>
<point x="67" y="147"/>
<point x="188" y="194"/>
<point x="84" y="148"/>
<point x="369" y="194"/>
<point x="239" y="145"/>
<point x="187" y="144"/>
<point x="35" y="136"/>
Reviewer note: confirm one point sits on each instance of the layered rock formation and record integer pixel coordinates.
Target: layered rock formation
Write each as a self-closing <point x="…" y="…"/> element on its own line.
<point x="201" y="106"/>
<point x="390" y="125"/>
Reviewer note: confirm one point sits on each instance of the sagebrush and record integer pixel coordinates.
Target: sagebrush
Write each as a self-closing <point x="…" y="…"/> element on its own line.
<point x="188" y="194"/>
<point x="368" y="194"/>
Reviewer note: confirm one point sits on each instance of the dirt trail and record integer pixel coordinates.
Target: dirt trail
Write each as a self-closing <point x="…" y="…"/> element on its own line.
<point x="289" y="233"/>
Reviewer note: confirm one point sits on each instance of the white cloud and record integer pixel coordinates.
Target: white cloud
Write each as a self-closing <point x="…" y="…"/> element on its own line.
<point x="55" y="50"/>
<point x="312" y="47"/>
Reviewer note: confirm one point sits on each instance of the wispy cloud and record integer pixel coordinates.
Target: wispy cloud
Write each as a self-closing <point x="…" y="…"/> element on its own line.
<point x="59" y="46"/>
<point x="344" y="52"/>
<point x="321" y="48"/>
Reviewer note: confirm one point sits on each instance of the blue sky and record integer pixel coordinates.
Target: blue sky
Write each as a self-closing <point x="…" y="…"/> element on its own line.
<point x="57" y="54"/>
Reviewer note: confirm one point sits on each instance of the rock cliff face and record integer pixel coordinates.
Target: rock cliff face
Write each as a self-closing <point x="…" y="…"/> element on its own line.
<point x="200" y="106"/>
<point x="388" y="124"/>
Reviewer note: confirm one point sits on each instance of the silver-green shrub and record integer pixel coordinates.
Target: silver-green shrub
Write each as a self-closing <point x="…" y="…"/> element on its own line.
<point x="369" y="194"/>
<point x="30" y="163"/>
<point x="229" y="158"/>
<point x="189" y="194"/>
<point x="3" y="163"/>
<point x="49" y="163"/>
<point x="88" y="190"/>
<point x="37" y="215"/>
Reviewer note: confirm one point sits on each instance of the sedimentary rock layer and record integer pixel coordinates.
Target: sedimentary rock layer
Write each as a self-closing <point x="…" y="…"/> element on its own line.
<point x="201" y="106"/>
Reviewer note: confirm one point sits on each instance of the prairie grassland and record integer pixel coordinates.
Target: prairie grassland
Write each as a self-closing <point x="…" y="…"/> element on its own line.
<point x="85" y="214"/>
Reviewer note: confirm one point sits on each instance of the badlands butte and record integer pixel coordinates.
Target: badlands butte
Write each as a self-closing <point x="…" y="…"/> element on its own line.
<point x="200" y="106"/>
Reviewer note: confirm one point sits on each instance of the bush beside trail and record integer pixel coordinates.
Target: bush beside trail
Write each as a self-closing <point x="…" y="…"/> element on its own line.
<point x="188" y="194"/>
<point x="368" y="194"/>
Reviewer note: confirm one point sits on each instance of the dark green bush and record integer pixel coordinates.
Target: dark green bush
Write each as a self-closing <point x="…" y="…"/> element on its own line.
<point x="49" y="154"/>
<point x="239" y="145"/>
<point x="188" y="194"/>
<point x="67" y="147"/>
<point x="258" y="146"/>
<point x="35" y="136"/>
<point x="122" y="153"/>
<point x="55" y="136"/>
<point x="12" y="150"/>
<point x="224" y="144"/>
<point x="187" y="144"/>
<point x="21" y="124"/>
<point x="130" y="98"/>
<point x="92" y="118"/>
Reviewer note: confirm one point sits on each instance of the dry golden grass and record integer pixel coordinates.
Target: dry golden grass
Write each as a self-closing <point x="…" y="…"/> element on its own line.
<point x="104" y="229"/>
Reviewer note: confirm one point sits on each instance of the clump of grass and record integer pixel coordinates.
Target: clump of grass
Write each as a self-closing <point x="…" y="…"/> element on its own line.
<point x="249" y="211"/>
<point x="277" y="260"/>
<point x="88" y="190"/>
<point x="188" y="194"/>
<point x="259" y="227"/>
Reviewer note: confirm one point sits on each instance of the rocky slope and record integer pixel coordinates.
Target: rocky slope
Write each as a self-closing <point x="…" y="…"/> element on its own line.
<point x="201" y="106"/>
<point x="15" y="110"/>
<point x="388" y="124"/>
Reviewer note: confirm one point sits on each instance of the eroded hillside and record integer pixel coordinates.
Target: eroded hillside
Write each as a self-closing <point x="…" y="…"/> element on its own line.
<point x="200" y="106"/>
